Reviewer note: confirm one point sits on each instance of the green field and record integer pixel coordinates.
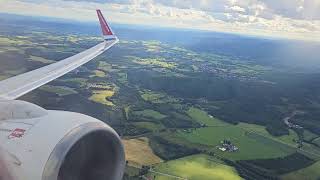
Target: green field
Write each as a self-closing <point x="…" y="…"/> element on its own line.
<point x="202" y="117"/>
<point x="150" y="114"/>
<point x="309" y="173"/>
<point x="307" y="135"/>
<point x="59" y="90"/>
<point x="250" y="146"/>
<point x="149" y="125"/>
<point x="197" y="167"/>
<point x="287" y="139"/>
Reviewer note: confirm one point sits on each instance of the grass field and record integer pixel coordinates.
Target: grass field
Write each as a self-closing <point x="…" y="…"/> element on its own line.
<point x="138" y="152"/>
<point x="100" y="96"/>
<point x="59" y="90"/>
<point x="309" y="173"/>
<point x="248" y="144"/>
<point x="203" y="118"/>
<point x="197" y="167"/>
<point x="150" y="114"/>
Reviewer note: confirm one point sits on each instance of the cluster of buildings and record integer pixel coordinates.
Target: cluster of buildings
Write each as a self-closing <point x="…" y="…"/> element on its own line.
<point x="227" y="146"/>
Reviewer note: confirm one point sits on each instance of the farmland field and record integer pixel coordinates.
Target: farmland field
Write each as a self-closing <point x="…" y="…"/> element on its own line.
<point x="138" y="152"/>
<point x="197" y="167"/>
<point x="100" y="96"/>
<point x="212" y="136"/>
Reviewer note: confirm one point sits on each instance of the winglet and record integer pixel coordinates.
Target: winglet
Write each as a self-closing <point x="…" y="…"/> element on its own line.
<point x="106" y="30"/>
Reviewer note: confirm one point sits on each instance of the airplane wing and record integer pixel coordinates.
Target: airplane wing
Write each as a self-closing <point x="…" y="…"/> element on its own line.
<point x="19" y="85"/>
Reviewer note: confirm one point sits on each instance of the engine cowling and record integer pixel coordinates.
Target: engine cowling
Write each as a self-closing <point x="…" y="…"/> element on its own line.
<point x="39" y="144"/>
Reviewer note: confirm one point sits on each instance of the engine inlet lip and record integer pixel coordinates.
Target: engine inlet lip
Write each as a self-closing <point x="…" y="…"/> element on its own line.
<point x="57" y="156"/>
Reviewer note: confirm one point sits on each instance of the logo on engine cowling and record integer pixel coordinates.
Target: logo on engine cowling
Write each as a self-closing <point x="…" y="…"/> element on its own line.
<point x="17" y="133"/>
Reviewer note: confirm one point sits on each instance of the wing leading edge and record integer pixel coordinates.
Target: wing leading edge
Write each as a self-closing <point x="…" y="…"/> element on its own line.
<point x="19" y="85"/>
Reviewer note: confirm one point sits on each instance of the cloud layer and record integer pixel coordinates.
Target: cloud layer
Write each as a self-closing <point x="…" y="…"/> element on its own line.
<point x="298" y="19"/>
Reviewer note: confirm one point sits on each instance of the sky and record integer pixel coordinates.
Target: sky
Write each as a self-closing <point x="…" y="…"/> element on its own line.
<point x="294" y="19"/>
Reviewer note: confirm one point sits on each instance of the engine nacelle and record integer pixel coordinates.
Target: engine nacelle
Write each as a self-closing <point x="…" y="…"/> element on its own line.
<point x="39" y="144"/>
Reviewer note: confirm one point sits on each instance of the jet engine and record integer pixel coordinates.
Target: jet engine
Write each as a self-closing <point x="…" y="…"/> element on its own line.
<point x="40" y="144"/>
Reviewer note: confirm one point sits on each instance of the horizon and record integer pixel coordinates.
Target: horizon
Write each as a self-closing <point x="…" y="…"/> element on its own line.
<point x="154" y="27"/>
<point x="258" y="18"/>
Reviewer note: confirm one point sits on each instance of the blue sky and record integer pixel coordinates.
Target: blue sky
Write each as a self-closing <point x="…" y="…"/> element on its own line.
<point x="296" y="19"/>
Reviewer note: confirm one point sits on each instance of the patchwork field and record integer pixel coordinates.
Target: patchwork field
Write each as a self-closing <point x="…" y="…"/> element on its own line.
<point x="197" y="167"/>
<point x="139" y="153"/>
<point x="246" y="142"/>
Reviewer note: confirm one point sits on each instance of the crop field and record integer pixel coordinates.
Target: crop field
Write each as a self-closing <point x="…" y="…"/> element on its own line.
<point x="139" y="153"/>
<point x="59" y="90"/>
<point x="310" y="173"/>
<point x="100" y="96"/>
<point x="248" y="145"/>
<point x="196" y="167"/>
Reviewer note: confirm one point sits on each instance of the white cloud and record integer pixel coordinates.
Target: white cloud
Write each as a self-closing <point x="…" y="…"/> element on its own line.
<point x="285" y="18"/>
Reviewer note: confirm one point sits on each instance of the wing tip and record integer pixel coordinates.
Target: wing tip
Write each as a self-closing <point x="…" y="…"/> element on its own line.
<point x="106" y="30"/>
